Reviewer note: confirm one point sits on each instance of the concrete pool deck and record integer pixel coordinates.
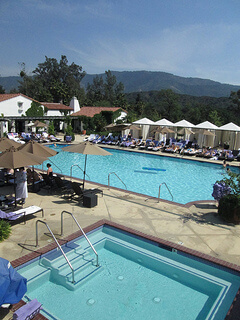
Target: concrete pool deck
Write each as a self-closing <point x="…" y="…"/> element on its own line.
<point x="195" y="226"/>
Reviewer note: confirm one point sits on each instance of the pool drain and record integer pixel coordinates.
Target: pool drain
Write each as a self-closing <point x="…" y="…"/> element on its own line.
<point x="156" y="300"/>
<point x="90" y="302"/>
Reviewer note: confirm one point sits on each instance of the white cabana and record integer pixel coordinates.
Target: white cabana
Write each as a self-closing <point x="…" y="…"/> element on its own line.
<point x="145" y="124"/>
<point x="184" y="124"/>
<point x="205" y="136"/>
<point x="230" y="134"/>
<point x="164" y="122"/>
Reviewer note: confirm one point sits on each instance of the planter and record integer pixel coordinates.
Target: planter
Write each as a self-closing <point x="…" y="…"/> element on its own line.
<point x="84" y="132"/>
<point x="229" y="208"/>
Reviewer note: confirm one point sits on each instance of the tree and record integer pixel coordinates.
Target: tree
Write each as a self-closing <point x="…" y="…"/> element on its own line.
<point x="35" y="110"/>
<point x="2" y="90"/>
<point x="215" y="118"/>
<point x="106" y="92"/>
<point x="95" y="92"/>
<point x="170" y="106"/>
<point x="53" y="81"/>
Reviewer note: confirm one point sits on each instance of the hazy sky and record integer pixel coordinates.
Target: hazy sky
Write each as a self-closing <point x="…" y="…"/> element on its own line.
<point x="190" y="38"/>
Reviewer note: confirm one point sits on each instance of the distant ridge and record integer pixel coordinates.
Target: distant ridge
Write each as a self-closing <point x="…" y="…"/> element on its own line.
<point x="137" y="81"/>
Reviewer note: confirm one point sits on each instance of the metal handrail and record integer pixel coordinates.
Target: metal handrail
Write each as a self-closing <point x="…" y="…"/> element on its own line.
<point x="76" y="165"/>
<point x="57" y="245"/>
<point x="64" y="211"/>
<point x="117" y="177"/>
<point x="167" y="188"/>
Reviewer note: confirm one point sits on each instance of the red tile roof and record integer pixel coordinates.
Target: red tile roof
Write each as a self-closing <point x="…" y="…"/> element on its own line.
<point x="91" y="111"/>
<point x="56" y="106"/>
<point x="48" y="105"/>
<point x="7" y="96"/>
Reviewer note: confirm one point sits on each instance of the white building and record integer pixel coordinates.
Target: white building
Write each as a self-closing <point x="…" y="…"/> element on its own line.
<point x="15" y="106"/>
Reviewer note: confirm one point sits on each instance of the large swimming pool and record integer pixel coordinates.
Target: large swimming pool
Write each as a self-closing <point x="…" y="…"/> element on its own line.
<point x="136" y="279"/>
<point x="143" y="173"/>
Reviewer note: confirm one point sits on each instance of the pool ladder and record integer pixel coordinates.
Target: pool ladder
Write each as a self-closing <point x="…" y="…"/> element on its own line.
<point x="76" y="165"/>
<point x="159" y="191"/>
<point x="117" y="177"/>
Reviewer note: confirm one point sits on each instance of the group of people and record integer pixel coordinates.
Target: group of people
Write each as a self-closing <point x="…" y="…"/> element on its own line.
<point x="24" y="177"/>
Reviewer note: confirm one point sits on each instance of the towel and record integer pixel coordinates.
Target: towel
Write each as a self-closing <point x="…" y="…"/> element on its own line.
<point x="32" y="307"/>
<point x="10" y="215"/>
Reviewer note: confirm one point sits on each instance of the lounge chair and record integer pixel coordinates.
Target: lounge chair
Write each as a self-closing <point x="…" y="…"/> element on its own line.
<point x="14" y="215"/>
<point x="79" y="192"/>
<point x="63" y="186"/>
<point x="49" y="182"/>
<point x="14" y="136"/>
<point x="91" y="137"/>
<point x="28" y="311"/>
<point x="54" y="139"/>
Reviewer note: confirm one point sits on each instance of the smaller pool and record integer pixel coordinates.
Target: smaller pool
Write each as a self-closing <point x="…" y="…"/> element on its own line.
<point x="136" y="279"/>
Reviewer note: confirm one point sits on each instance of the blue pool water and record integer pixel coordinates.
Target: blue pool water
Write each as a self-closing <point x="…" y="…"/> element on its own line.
<point x="187" y="180"/>
<point x="136" y="279"/>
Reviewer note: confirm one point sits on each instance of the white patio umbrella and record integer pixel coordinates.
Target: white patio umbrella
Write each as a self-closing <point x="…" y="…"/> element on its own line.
<point x="145" y="124"/>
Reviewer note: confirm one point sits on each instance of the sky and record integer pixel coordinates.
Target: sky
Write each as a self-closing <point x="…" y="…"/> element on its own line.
<point x="189" y="38"/>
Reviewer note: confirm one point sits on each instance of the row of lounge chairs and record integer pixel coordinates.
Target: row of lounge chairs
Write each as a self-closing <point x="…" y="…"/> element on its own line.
<point x="68" y="189"/>
<point x="25" y="137"/>
<point x="183" y="147"/>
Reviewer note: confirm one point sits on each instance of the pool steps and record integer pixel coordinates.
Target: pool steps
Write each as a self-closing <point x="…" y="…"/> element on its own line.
<point x="82" y="262"/>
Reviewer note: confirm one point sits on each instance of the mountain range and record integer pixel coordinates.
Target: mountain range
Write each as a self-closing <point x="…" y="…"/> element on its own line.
<point x="141" y="81"/>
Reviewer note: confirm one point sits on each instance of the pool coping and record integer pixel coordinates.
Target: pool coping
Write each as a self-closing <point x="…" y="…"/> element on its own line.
<point x="233" y="310"/>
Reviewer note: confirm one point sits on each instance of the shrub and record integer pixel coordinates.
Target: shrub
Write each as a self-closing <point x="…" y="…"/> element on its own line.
<point x="5" y="230"/>
<point x="220" y="189"/>
<point x="69" y="132"/>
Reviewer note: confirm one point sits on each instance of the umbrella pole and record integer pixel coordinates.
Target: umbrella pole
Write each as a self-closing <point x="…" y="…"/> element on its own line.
<point x="33" y="185"/>
<point x="84" y="172"/>
<point x="14" y="186"/>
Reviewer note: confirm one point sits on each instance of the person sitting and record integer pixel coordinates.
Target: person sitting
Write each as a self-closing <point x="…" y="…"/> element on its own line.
<point x="33" y="176"/>
<point x="49" y="170"/>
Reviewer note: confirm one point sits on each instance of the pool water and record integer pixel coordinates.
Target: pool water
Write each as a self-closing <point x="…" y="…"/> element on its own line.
<point x="186" y="179"/>
<point x="136" y="280"/>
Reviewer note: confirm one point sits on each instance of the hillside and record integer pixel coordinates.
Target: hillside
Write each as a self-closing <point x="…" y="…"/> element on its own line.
<point x="138" y="81"/>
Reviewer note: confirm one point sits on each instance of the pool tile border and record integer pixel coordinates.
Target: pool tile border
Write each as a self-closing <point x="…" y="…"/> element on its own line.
<point x="233" y="312"/>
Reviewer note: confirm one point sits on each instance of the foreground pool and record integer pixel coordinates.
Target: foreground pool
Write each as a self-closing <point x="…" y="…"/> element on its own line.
<point x="136" y="279"/>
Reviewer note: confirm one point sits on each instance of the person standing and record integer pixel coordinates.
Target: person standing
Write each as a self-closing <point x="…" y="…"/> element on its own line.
<point x="21" y="180"/>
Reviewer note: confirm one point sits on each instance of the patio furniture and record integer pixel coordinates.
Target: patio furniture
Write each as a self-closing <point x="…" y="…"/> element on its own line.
<point x="14" y="215"/>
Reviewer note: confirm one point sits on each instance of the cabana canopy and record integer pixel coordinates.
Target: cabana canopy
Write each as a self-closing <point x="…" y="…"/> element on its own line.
<point x="164" y="122"/>
<point x="230" y="127"/>
<point x="206" y="125"/>
<point x="144" y="121"/>
<point x="184" y="124"/>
